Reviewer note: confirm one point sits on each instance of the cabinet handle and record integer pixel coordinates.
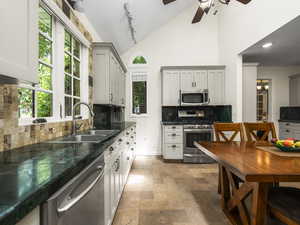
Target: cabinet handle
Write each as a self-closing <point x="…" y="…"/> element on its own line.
<point x="173" y="135"/>
<point x="127" y="143"/>
<point x="132" y="137"/>
<point x="132" y="149"/>
<point x="287" y="131"/>
<point x="173" y="146"/>
<point x="127" y="133"/>
<point x="287" y="124"/>
<point x="173" y="127"/>
<point x="120" y="140"/>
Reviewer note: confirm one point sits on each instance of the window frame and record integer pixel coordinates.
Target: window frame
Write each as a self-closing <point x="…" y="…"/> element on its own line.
<point x="58" y="85"/>
<point x="141" y="69"/>
<point x="73" y="57"/>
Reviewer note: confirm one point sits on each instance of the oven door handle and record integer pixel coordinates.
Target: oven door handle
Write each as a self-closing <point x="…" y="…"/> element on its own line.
<point x="198" y="130"/>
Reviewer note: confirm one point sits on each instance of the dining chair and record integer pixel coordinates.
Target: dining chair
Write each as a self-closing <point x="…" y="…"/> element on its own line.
<point x="284" y="205"/>
<point x="234" y="129"/>
<point x="260" y="132"/>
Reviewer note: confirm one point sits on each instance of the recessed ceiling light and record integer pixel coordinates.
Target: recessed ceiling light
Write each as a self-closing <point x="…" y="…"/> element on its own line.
<point x="267" y="45"/>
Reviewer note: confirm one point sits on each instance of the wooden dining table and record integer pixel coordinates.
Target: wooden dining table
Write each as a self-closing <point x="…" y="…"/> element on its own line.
<point x="247" y="171"/>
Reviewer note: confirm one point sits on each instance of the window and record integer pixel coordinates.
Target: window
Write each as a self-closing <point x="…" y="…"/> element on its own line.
<point x="139" y="85"/>
<point x="63" y="59"/>
<point x="139" y="92"/>
<point x="139" y="60"/>
<point x="38" y="101"/>
<point x="72" y="73"/>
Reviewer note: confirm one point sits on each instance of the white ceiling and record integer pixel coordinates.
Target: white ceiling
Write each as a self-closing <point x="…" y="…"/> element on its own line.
<point x="108" y="18"/>
<point x="285" y="50"/>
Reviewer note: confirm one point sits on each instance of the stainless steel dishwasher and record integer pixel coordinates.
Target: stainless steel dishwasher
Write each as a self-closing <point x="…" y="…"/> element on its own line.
<point x="80" y="201"/>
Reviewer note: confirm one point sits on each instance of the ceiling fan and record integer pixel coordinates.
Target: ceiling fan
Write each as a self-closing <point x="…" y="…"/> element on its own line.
<point x="205" y="6"/>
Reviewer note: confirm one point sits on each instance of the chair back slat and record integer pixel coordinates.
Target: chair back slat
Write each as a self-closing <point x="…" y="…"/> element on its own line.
<point x="235" y="128"/>
<point x="267" y="130"/>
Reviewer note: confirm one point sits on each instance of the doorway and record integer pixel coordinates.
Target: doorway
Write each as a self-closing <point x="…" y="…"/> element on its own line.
<point x="263" y="94"/>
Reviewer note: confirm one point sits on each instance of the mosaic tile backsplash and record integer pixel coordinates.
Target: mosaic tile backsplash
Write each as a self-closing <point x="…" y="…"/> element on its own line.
<point x="11" y="134"/>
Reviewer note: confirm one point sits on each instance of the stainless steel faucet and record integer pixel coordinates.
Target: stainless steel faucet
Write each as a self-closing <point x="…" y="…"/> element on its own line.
<point x="74" y="128"/>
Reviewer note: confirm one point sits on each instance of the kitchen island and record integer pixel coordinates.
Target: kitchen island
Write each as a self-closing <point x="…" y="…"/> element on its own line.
<point x="32" y="174"/>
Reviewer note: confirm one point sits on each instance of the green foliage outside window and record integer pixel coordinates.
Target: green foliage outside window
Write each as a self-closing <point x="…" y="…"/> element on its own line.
<point x="43" y="99"/>
<point x="139" y="95"/>
<point x="139" y="60"/>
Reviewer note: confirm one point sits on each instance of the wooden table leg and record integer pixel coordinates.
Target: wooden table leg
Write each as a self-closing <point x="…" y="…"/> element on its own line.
<point x="259" y="203"/>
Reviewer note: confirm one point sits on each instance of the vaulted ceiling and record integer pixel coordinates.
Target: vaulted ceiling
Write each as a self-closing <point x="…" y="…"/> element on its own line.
<point x="110" y="21"/>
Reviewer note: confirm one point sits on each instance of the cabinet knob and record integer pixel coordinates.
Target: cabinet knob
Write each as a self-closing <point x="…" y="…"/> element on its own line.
<point x="127" y="143"/>
<point x="132" y="149"/>
<point x="120" y="140"/>
<point x="111" y="149"/>
<point x="173" y="135"/>
<point x="287" y="131"/>
<point x="127" y="133"/>
<point x="131" y="137"/>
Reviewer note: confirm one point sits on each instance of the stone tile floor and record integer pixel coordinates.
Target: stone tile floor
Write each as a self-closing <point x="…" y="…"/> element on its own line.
<point x="159" y="193"/>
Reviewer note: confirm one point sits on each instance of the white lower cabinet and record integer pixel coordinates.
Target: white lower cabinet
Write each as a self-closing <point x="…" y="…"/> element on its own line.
<point x="172" y="142"/>
<point x="289" y="130"/>
<point x="118" y="161"/>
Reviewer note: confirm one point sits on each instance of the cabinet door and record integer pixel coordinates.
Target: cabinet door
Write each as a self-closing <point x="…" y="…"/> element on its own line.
<point x="171" y="88"/>
<point x="295" y="91"/>
<point x="187" y="82"/>
<point x="113" y="80"/>
<point x="200" y="78"/>
<point x="216" y="86"/>
<point x="107" y="196"/>
<point x="19" y="39"/>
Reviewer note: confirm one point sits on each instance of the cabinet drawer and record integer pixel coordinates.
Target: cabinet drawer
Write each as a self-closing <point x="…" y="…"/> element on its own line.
<point x="173" y="138"/>
<point x="174" y="128"/>
<point x="173" y="151"/>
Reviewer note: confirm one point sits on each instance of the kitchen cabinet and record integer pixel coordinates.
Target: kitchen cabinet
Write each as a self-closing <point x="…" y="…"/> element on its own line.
<point x="289" y="130"/>
<point x="176" y="79"/>
<point x="171" y="88"/>
<point x="109" y="75"/>
<point x="172" y="142"/>
<point x="193" y="80"/>
<point x="118" y="159"/>
<point x="19" y="39"/>
<point x="216" y="87"/>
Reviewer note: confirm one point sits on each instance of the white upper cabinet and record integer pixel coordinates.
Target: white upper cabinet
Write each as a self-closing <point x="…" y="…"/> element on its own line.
<point x="109" y="75"/>
<point x="171" y="88"/>
<point x="187" y="81"/>
<point x="200" y="77"/>
<point x="177" y="79"/>
<point x="193" y="80"/>
<point x="216" y="87"/>
<point x="19" y="39"/>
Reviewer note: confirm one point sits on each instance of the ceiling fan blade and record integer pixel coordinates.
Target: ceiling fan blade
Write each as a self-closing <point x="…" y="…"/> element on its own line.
<point x="168" y="1"/>
<point x="244" y="1"/>
<point x="198" y="16"/>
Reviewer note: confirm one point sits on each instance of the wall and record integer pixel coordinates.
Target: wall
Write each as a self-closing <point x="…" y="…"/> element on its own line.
<point x="242" y="26"/>
<point x="11" y="134"/>
<point x="249" y="91"/>
<point x="177" y="43"/>
<point x="279" y="86"/>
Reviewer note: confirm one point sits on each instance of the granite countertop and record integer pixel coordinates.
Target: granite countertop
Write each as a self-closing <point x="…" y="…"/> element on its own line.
<point x="289" y="121"/>
<point x="31" y="174"/>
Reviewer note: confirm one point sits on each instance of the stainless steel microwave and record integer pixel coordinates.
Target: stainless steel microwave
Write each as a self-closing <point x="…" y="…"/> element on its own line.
<point x="200" y="97"/>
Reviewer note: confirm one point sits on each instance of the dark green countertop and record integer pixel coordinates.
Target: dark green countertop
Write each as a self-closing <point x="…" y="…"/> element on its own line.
<point x="31" y="174"/>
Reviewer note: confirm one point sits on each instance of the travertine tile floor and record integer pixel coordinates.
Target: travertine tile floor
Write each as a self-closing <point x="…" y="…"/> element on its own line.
<point x="159" y="193"/>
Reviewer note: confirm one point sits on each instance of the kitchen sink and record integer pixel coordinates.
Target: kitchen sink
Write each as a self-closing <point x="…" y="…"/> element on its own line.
<point x="79" y="139"/>
<point x="101" y="132"/>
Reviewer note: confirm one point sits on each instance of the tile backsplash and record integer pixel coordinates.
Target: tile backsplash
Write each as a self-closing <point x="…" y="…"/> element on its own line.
<point x="13" y="136"/>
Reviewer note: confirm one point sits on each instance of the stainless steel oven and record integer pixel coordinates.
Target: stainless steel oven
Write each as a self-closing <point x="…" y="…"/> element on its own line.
<point x="80" y="201"/>
<point x="200" y="97"/>
<point x="192" y="133"/>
